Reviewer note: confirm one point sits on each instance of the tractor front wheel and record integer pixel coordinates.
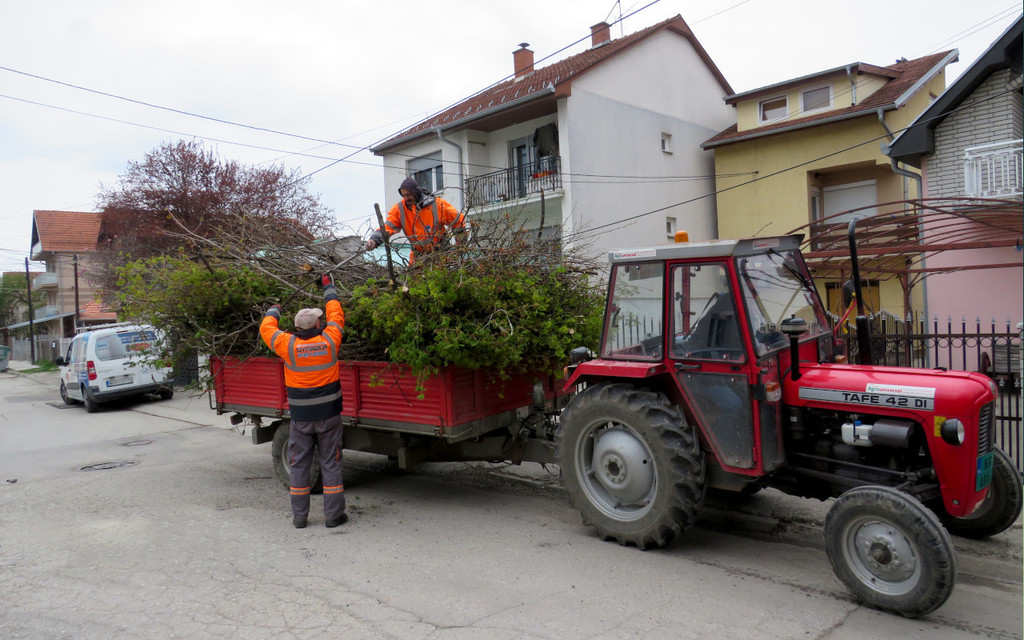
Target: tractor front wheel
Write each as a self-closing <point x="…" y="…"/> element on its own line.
<point x="631" y="464"/>
<point x="890" y="550"/>
<point x="1000" y="508"/>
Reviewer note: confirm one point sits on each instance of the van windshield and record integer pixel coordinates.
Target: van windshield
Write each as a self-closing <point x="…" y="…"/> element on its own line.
<point x="117" y="346"/>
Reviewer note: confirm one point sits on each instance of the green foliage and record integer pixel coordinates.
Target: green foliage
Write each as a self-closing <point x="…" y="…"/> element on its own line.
<point x="520" y="320"/>
<point x="215" y="310"/>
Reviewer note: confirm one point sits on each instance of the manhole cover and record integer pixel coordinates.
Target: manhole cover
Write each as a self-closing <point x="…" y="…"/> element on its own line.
<point x="103" y="466"/>
<point x="137" y="443"/>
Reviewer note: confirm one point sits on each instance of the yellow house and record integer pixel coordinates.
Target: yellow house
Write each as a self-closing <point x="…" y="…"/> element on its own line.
<point x="807" y="152"/>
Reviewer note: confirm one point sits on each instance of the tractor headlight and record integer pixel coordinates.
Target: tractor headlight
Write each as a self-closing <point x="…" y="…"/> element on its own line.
<point x="952" y="431"/>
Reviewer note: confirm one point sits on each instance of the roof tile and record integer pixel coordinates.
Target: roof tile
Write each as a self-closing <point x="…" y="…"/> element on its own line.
<point x="905" y="73"/>
<point x="67" y="230"/>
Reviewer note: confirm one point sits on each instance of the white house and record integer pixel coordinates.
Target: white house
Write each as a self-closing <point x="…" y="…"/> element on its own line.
<point x="605" y="143"/>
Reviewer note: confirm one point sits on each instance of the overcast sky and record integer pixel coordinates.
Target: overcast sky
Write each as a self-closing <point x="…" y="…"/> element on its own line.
<point x="354" y="72"/>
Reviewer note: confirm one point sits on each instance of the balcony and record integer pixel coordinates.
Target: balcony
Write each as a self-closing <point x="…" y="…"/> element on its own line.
<point x="515" y="183"/>
<point x="45" y="280"/>
<point x="994" y="170"/>
<point x="46" y="312"/>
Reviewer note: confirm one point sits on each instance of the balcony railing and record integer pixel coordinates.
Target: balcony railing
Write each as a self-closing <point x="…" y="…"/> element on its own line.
<point x="47" y="279"/>
<point x="514" y="183"/>
<point x="47" y="311"/>
<point x="994" y="170"/>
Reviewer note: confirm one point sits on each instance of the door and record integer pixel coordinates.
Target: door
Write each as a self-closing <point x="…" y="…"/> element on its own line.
<point x="711" y="360"/>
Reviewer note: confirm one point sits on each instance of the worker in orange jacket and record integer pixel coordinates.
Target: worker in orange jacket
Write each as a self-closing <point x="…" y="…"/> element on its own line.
<point x="314" y="401"/>
<point x="423" y="218"/>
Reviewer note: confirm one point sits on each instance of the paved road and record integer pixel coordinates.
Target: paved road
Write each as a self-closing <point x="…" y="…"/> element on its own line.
<point x="156" y="519"/>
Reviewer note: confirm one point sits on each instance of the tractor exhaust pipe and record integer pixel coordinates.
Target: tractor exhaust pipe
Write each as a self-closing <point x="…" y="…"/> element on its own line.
<point x="863" y="330"/>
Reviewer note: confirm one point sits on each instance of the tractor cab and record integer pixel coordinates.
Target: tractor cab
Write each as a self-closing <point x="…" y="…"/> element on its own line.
<point x="712" y="313"/>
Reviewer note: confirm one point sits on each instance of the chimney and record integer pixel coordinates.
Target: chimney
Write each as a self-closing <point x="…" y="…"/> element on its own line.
<point x="600" y="33"/>
<point x="522" y="60"/>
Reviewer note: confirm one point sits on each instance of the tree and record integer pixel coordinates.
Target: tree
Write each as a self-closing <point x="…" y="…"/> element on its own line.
<point x="14" y="298"/>
<point x="180" y="194"/>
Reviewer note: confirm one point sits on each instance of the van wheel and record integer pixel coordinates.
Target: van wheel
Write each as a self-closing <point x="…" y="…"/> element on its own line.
<point x="279" y="454"/>
<point x="91" y="405"/>
<point x="631" y="464"/>
<point x="65" y="397"/>
<point x="890" y="550"/>
<point x="166" y="394"/>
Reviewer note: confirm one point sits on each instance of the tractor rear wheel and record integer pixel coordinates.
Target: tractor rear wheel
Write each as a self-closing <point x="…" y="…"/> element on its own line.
<point x="282" y="468"/>
<point x="998" y="511"/>
<point x="890" y="550"/>
<point x="631" y="464"/>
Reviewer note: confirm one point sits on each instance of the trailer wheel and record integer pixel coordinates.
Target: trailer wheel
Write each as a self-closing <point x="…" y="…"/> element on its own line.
<point x="1000" y="508"/>
<point x="631" y="464"/>
<point x="279" y="452"/>
<point x="890" y="550"/>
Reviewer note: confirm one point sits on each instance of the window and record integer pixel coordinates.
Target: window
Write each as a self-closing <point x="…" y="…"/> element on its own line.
<point x="815" y="203"/>
<point x="816" y="99"/>
<point x="852" y="200"/>
<point x="666" y="142"/>
<point x="633" y="323"/>
<point x="427" y="172"/>
<point x="704" y="321"/>
<point x="670" y="227"/>
<point x="774" y="109"/>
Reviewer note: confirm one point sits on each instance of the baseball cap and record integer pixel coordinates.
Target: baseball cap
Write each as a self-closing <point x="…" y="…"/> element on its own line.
<point x="306" y="318"/>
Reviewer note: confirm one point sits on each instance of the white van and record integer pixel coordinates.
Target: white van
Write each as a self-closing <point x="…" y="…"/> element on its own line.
<point x="109" y="362"/>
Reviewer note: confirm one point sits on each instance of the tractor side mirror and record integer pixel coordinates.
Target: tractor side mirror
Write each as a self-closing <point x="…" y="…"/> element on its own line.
<point x="848" y="293"/>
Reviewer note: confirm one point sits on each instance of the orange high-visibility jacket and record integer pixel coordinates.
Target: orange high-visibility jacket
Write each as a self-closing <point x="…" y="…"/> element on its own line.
<point x="310" y="363"/>
<point x="424" y="227"/>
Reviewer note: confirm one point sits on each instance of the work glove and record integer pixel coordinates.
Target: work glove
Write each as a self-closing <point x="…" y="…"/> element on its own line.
<point x="325" y="279"/>
<point x="274" y="310"/>
<point x="371" y="244"/>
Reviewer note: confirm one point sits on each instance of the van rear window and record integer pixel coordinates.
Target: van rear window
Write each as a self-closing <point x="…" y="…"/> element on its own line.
<point x="116" y="346"/>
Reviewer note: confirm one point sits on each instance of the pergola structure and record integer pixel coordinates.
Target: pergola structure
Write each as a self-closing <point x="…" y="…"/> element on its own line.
<point x="896" y="244"/>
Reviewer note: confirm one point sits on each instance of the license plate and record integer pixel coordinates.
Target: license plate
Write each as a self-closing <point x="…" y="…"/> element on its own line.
<point x="984" y="477"/>
<point x="117" y="381"/>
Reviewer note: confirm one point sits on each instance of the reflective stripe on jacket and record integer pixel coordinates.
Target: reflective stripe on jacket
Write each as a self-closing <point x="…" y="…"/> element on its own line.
<point x="310" y="364"/>
<point x="424" y="227"/>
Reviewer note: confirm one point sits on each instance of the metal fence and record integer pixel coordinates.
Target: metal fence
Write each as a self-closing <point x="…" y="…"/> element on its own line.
<point x="991" y="348"/>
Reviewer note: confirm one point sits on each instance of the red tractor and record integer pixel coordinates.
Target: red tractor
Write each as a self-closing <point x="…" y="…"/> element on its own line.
<point x="718" y="369"/>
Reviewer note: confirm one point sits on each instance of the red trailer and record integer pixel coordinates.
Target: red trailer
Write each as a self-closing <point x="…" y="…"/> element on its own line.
<point x="457" y="414"/>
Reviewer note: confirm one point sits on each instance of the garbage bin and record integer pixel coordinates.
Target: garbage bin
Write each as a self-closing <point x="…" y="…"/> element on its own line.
<point x="5" y="356"/>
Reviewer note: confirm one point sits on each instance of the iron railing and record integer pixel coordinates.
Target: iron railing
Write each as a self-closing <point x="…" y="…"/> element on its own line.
<point x="515" y="182"/>
<point x="994" y="170"/>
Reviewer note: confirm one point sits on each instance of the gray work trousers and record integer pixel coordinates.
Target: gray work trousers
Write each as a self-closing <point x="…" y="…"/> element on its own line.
<point x="304" y="437"/>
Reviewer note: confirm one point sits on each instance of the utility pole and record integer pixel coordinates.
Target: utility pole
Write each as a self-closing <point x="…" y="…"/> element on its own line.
<point x="31" y="330"/>
<point x="75" y="262"/>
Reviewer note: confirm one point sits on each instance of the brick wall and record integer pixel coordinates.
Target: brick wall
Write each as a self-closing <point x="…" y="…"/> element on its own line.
<point x="992" y="113"/>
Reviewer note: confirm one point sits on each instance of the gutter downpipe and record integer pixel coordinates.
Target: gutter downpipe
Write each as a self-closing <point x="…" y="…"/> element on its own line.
<point x="853" y="85"/>
<point x="462" y="180"/>
<point x="916" y="177"/>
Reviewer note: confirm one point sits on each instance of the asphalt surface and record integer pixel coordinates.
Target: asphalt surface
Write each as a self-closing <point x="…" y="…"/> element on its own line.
<point x="158" y="519"/>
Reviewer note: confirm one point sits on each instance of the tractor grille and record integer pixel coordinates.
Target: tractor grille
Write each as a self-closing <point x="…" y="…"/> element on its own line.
<point x="985" y="428"/>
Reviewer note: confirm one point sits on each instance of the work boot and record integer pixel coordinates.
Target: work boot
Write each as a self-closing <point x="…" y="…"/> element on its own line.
<point x="299" y="524"/>
<point x="340" y="520"/>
